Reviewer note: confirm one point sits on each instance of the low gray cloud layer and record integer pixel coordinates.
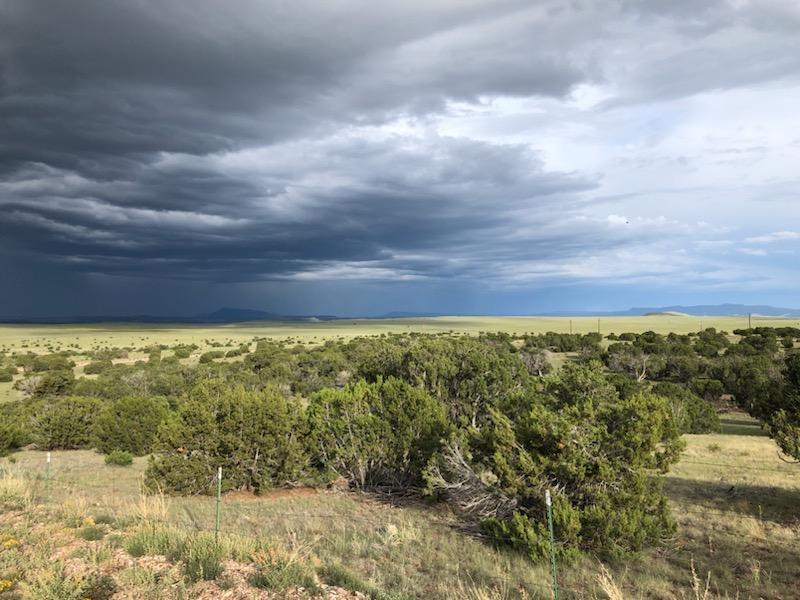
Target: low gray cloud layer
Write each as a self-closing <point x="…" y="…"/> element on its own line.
<point x="491" y="144"/>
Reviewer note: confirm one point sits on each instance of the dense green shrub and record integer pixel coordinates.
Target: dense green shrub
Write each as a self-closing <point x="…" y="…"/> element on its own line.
<point x="105" y="354"/>
<point x="471" y="417"/>
<point x="466" y="375"/>
<point x="51" y="362"/>
<point x="63" y="423"/>
<point x="692" y="414"/>
<point x="7" y="374"/>
<point x="12" y="435"/>
<point x="573" y="434"/>
<point x="183" y="350"/>
<point x="257" y="437"/>
<point x="119" y="458"/>
<point x="379" y="434"/>
<point x="49" y="383"/>
<point x="211" y="356"/>
<point x="708" y="389"/>
<point x="129" y="424"/>
<point x="97" y="366"/>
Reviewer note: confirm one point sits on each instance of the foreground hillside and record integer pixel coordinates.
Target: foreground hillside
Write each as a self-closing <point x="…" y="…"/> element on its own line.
<point x="404" y="466"/>
<point x="735" y="501"/>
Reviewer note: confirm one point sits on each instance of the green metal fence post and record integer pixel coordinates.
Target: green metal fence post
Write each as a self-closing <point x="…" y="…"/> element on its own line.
<point x="549" y="504"/>
<point x="47" y="479"/>
<point x="219" y="502"/>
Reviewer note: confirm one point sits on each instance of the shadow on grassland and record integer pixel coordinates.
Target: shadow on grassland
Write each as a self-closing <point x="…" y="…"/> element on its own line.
<point x="741" y="426"/>
<point x="777" y="504"/>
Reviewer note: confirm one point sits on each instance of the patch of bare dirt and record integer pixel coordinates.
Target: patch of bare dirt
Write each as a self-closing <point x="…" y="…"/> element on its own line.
<point x="298" y="492"/>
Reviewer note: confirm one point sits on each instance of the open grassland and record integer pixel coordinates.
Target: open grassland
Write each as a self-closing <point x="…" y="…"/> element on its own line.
<point x="43" y="339"/>
<point x="735" y="500"/>
<point x="86" y="337"/>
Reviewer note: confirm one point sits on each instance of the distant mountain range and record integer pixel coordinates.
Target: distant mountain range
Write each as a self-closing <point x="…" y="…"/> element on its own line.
<point x="223" y="315"/>
<point x="245" y="315"/>
<point x="717" y="310"/>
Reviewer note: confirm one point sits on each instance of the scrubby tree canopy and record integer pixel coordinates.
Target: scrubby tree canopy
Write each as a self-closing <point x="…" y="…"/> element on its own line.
<point x="483" y="422"/>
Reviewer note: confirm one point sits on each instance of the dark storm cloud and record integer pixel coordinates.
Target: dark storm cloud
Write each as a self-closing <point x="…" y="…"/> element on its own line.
<point x="395" y="206"/>
<point x="85" y="82"/>
<point x="247" y="141"/>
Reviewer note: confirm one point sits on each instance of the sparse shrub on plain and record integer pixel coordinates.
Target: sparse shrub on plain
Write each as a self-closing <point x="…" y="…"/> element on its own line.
<point x="7" y="374"/>
<point x="55" y="582"/>
<point x="279" y="571"/>
<point x="151" y="539"/>
<point x="211" y="356"/>
<point x="119" y="458"/>
<point x="99" y="586"/>
<point x="97" y="366"/>
<point x="201" y="556"/>
<point x="91" y="533"/>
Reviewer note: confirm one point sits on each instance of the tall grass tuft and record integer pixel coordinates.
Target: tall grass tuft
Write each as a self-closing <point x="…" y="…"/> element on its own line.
<point x="280" y="571"/>
<point x="51" y="582"/>
<point x="608" y="585"/>
<point x="201" y="555"/>
<point x="150" y="507"/>
<point x="153" y="539"/>
<point x="16" y="491"/>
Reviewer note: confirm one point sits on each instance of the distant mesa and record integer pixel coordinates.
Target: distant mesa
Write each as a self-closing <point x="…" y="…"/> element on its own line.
<point x="228" y="315"/>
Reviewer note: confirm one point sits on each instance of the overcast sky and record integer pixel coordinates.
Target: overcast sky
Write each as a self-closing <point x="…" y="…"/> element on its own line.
<point x="355" y="158"/>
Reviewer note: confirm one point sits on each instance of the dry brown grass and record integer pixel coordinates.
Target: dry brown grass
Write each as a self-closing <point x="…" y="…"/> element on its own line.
<point x="737" y="521"/>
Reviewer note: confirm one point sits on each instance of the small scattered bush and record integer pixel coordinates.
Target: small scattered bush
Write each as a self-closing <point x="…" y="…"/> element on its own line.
<point x="201" y="556"/>
<point x="119" y="458"/>
<point x="151" y="539"/>
<point x="91" y="533"/>
<point x="278" y="571"/>
<point x="339" y="576"/>
<point x="104" y="519"/>
<point x="211" y="356"/>
<point x="55" y="582"/>
<point x="99" y="586"/>
<point x="97" y="367"/>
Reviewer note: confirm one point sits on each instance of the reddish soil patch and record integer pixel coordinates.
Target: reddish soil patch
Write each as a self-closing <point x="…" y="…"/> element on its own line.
<point x="298" y="492"/>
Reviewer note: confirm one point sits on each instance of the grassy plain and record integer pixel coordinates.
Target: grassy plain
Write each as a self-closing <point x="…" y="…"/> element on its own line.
<point x="734" y="499"/>
<point x="85" y="337"/>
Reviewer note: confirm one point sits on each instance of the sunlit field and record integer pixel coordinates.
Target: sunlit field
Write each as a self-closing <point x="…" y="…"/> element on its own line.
<point x="88" y="336"/>
<point x="83" y="338"/>
<point x="733" y="495"/>
<point x="734" y="499"/>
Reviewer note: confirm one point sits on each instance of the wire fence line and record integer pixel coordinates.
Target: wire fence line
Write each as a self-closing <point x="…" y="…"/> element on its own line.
<point x="784" y="471"/>
<point x="194" y="523"/>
